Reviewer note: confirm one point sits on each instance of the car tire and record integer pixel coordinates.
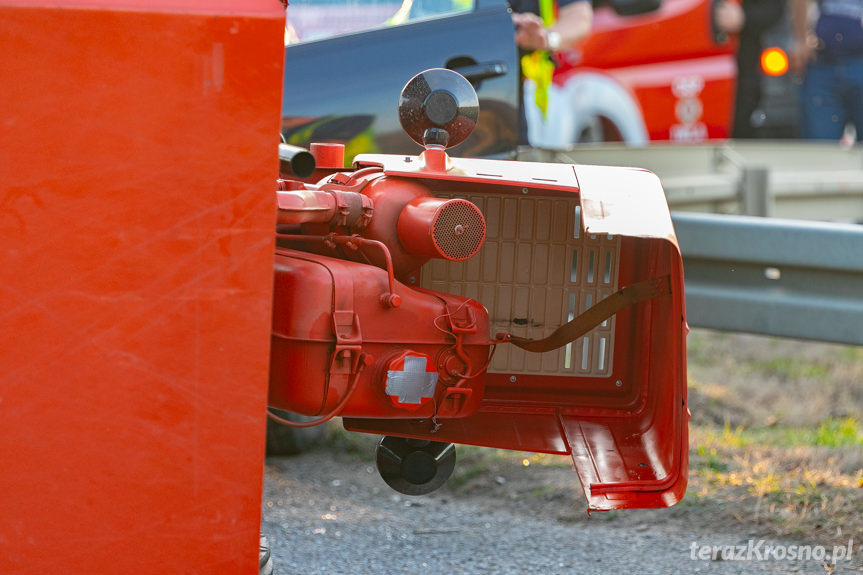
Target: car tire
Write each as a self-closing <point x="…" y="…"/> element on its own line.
<point x="265" y="559"/>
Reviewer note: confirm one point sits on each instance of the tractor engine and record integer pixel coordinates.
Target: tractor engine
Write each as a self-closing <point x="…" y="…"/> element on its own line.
<point x="350" y="323"/>
<point x="437" y="300"/>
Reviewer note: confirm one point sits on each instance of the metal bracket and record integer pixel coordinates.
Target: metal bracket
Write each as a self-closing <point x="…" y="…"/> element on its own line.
<point x="346" y="355"/>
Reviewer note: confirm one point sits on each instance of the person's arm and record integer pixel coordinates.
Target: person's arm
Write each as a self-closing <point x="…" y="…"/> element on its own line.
<point x="729" y="17"/>
<point x="752" y="17"/>
<point x="803" y="40"/>
<point x="573" y="23"/>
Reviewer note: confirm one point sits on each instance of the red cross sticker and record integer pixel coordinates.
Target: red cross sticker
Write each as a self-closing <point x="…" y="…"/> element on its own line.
<point x="411" y="380"/>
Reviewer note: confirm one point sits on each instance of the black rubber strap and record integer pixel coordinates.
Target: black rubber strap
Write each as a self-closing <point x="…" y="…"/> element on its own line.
<point x="572" y="330"/>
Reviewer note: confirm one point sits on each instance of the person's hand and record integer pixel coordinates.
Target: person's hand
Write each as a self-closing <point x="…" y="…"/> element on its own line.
<point x="801" y="54"/>
<point x="530" y="34"/>
<point x="729" y="17"/>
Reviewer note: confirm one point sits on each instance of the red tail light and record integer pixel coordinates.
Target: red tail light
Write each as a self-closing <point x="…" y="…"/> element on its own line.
<point x="774" y="61"/>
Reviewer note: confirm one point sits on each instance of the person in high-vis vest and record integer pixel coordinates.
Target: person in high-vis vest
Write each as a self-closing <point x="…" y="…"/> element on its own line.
<point x="543" y="27"/>
<point x="413" y="9"/>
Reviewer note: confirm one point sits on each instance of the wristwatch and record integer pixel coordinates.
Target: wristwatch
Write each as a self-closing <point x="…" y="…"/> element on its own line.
<point x="553" y="41"/>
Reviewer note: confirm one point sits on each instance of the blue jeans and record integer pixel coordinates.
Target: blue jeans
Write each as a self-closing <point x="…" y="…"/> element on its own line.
<point x="830" y="97"/>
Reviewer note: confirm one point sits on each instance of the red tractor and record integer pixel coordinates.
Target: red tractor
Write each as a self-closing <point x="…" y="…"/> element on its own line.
<point x="526" y="306"/>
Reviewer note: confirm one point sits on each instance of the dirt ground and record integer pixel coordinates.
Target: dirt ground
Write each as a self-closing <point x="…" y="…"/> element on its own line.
<point x="327" y="511"/>
<point x="758" y="466"/>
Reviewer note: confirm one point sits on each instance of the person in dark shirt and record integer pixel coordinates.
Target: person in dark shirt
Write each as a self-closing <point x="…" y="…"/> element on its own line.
<point x="543" y="27"/>
<point x="748" y="20"/>
<point x="828" y="54"/>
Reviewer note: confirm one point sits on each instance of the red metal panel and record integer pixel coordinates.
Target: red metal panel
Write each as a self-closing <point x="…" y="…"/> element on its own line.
<point x="138" y="158"/>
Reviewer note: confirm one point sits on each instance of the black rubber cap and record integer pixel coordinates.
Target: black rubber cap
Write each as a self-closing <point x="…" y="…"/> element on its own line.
<point x="441" y="107"/>
<point x="414" y="466"/>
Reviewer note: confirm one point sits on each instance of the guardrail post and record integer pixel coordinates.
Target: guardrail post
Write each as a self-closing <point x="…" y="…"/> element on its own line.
<point x="755" y="197"/>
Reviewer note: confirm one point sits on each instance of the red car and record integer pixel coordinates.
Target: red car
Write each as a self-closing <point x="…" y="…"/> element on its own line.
<point x="660" y="75"/>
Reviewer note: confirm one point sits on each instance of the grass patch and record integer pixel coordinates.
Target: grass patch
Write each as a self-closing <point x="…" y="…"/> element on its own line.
<point x="357" y="446"/>
<point x="776" y="438"/>
<point x="804" y="482"/>
<point x="790" y="368"/>
<point x="839" y="432"/>
<point x="832" y="432"/>
<point x="852" y="354"/>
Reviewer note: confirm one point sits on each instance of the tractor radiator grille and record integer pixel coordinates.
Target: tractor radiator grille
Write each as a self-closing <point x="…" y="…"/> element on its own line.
<point x="536" y="271"/>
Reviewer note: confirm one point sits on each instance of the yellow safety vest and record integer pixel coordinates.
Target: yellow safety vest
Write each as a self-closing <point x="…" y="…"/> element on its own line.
<point x="537" y="65"/>
<point x="403" y="13"/>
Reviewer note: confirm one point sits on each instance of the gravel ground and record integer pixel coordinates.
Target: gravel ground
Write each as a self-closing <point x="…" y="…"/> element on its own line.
<point x="327" y="512"/>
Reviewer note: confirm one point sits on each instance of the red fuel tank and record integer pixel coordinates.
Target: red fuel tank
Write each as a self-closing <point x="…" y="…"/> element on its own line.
<point x="336" y="336"/>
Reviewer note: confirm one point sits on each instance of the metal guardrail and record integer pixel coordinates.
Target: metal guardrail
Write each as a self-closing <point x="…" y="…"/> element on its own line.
<point x="806" y="180"/>
<point x="786" y="278"/>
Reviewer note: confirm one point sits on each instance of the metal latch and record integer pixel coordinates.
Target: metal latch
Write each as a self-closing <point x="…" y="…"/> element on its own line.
<point x="346" y="355"/>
